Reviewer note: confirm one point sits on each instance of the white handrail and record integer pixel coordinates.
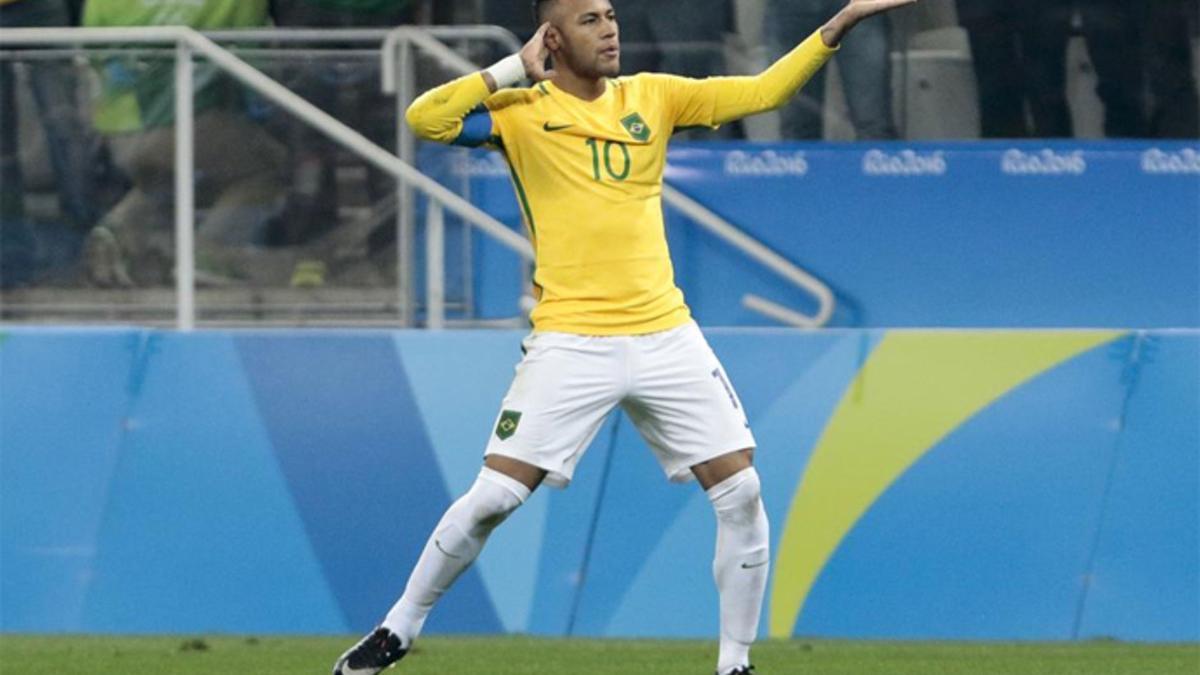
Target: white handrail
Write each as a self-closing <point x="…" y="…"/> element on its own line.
<point x="397" y="50"/>
<point x="285" y="34"/>
<point x="396" y="39"/>
<point x="185" y="189"/>
<point x="761" y="253"/>
<point x="435" y="268"/>
<point x="398" y="53"/>
<point x="288" y="100"/>
<point x="476" y="32"/>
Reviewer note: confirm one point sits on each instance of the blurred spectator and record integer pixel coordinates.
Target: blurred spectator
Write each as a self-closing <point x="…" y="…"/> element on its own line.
<point x="864" y="65"/>
<point x="1019" y="61"/>
<point x="239" y="168"/>
<point x="1168" y="27"/>
<point x="674" y="36"/>
<point x="1019" y="51"/>
<point x="69" y="144"/>
<point x="350" y="92"/>
<point x="1111" y="28"/>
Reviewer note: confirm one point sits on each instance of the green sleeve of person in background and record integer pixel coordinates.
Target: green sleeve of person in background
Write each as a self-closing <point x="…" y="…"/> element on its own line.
<point x="139" y="92"/>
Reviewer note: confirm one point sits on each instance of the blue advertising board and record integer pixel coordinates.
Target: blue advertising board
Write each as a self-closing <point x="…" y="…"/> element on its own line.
<point x="950" y="484"/>
<point x="1021" y="234"/>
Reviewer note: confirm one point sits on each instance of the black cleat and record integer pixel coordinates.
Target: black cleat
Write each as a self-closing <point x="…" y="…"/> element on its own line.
<point x="744" y="670"/>
<point x="371" y="655"/>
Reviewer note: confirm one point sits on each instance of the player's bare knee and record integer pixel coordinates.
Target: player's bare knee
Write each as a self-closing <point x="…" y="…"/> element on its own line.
<point x="723" y="467"/>
<point x="527" y="474"/>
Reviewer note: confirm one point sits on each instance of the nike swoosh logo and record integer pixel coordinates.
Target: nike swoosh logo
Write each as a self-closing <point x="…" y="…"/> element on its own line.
<point x="747" y="566"/>
<point x="555" y="127"/>
<point x="438" y="544"/>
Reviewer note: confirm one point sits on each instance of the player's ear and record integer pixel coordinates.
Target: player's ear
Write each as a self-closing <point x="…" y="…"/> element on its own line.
<point x="553" y="39"/>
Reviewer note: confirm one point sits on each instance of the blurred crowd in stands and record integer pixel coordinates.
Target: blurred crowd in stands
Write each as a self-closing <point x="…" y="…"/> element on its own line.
<point x="265" y="181"/>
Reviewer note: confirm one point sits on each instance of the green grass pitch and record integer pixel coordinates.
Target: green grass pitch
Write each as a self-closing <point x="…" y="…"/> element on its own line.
<point x="95" y="655"/>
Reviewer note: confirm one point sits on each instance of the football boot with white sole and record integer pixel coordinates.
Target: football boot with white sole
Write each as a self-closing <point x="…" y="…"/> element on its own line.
<point x="371" y="655"/>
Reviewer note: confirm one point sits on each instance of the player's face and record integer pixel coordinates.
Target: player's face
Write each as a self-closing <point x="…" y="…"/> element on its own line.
<point x="585" y="38"/>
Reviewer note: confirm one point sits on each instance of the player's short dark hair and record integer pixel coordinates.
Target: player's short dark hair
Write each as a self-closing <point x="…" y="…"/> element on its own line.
<point x="539" y="9"/>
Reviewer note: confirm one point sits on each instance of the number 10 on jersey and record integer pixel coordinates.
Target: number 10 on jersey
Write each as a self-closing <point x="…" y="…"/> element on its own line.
<point x="626" y="163"/>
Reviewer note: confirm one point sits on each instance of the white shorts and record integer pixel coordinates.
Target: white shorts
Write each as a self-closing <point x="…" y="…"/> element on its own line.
<point x="670" y="384"/>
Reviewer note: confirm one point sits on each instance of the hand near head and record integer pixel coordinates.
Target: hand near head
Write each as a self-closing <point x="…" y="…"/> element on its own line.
<point x="534" y="55"/>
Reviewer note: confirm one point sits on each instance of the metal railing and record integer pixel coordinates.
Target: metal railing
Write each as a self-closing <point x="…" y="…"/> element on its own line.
<point x="398" y="68"/>
<point x="189" y="43"/>
<point x="760" y="252"/>
<point x="398" y="48"/>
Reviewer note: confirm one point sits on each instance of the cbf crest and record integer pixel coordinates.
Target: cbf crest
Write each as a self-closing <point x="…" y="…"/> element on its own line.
<point x="507" y="426"/>
<point x="637" y="127"/>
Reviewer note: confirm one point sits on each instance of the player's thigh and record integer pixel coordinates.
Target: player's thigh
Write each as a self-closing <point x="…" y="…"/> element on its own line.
<point x="684" y="404"/>
<point x="563" y="389"/>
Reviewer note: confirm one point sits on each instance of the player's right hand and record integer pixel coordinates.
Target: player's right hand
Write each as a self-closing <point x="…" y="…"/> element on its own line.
<point x="534" y="55"/>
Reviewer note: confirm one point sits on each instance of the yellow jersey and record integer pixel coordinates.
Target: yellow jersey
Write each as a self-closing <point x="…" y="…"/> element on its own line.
<point x="588" y="175"/>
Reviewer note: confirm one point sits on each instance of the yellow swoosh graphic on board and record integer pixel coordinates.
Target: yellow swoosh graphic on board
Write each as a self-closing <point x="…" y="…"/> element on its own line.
<point x="915" y="388"/>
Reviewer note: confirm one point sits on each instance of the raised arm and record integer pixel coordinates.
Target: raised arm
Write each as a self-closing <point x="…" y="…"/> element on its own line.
<point x="440" y="114"/>
<point x="738" y="97"/>
<point x="719" y="100"/>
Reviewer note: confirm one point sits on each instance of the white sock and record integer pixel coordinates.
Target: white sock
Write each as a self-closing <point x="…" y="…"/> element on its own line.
<point x="741" y="565"/>
<point x="453" y="546"/>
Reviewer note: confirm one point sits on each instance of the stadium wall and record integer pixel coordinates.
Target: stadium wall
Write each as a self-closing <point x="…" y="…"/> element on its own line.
<point x="921" y="484"/>
<point x="1034" y="234"/>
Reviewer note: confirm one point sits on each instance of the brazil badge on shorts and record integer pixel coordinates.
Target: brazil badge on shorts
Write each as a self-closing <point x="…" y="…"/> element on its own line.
<point x="507" y="426"/>
<point x="637" y="127"/>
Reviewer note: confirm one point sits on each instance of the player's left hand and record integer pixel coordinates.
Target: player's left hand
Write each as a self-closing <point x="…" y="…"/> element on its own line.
<point x="861" y="9"/>
<point x="854" y="12"/>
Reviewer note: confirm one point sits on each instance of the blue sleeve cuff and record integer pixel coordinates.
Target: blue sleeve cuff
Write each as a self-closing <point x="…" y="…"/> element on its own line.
<point x="477" y="130"/>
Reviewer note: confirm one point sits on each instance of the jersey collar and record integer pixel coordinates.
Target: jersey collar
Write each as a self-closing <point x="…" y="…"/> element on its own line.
<point x="555" y="89"/>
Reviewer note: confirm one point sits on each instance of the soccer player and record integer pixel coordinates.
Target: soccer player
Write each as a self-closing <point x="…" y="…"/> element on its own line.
<point x="587" y="151"/>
